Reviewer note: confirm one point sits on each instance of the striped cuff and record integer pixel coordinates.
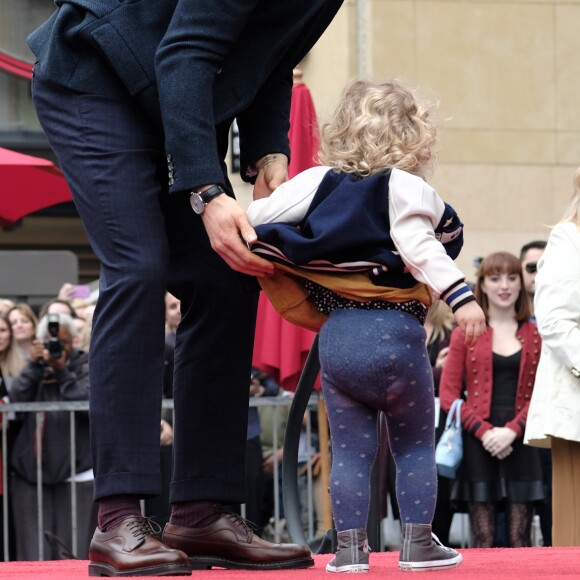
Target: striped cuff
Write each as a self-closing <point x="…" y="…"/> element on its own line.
<point x="458" y="295"/>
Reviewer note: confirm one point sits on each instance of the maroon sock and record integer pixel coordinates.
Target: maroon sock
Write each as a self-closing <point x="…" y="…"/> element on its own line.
<point x="114" y="508"/>
<point x="193" y="514"/>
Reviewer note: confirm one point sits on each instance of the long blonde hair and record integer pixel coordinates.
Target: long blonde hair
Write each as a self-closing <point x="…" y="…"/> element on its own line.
<point x="572" y="212"/>
<point x="11" y="361"/>
<point x="376" y="127"/>
<point x="441" y="318"/>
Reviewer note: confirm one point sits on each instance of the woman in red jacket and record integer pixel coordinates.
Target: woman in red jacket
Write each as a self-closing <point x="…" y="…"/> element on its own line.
<point x="496" y="377"/>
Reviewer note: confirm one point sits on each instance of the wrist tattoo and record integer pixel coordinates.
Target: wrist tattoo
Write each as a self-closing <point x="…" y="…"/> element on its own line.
<point x="266" y="160"/>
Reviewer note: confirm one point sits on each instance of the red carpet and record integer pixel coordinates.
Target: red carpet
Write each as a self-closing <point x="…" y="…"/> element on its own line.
<point x="492" y="564"/>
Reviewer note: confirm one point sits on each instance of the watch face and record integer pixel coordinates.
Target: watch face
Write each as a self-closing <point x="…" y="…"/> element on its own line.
<point x="197" y="203"/>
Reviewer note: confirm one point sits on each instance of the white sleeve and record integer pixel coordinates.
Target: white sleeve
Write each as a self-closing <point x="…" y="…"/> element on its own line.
<point x="289" y="202"/>
<point x="557" y="296"/>
<point x="415" y="210"/>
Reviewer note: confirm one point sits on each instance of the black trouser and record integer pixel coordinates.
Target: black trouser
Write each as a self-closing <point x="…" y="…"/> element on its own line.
<point x="147" y="242"/>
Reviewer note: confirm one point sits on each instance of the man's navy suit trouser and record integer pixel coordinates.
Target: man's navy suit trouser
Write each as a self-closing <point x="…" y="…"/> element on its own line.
<point x="148" y="241"/>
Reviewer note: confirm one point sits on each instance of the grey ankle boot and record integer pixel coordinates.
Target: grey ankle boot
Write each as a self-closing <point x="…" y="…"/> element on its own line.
<point x="352" y="552"/>
<point x="422" y="550"/>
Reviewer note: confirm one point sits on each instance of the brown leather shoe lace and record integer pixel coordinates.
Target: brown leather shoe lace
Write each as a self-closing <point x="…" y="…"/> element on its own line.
<point x="248" y="526"/>
<point x="143" y="527"/>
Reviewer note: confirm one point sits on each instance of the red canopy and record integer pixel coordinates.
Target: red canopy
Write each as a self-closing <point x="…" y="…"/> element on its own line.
<point x="303" y="132"/>
<point x="28" y="184"/>
<point x="15" y="66"/>
<point x="280" y="347"/>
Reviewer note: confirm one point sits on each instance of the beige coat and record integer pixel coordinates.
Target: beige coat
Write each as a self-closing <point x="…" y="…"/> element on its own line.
<point x="555" y="406"/>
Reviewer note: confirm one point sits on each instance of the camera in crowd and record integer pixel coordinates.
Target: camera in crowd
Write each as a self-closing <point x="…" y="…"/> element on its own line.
<point x="54" y="346"/>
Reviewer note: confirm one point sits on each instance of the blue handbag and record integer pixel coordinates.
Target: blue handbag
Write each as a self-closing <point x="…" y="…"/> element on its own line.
<point x="449" y="450"/>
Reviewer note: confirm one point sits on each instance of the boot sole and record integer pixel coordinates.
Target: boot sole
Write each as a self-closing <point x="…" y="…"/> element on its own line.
<point x="100" y="569"/>
<point x="350" y="568"/>
<point x="427" y="566"/>
<point x="201" y="563"/>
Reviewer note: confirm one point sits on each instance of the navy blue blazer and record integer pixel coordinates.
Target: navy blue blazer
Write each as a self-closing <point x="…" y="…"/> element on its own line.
<point x="193" y="65"/>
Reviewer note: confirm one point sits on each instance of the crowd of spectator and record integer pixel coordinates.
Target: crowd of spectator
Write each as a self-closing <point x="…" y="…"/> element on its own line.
<point x="502" y="484"/>
<point x="44" y="358"/>
<point x="29" y="371"/>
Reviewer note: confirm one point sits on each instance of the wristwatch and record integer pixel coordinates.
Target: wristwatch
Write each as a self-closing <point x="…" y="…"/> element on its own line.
<point x="199" y="199"/>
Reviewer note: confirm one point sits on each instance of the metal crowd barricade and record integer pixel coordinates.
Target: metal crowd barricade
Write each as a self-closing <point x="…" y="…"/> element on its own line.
<point x="40" y="408"/>
<point x="291" y="441"/>
<point x="279" y="403"/>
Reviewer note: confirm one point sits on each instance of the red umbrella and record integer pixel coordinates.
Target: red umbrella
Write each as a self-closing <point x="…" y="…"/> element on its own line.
<point x="28" y="184"/>
<point x="15" y="66"/>
<point x="280" y="347"/>
<point x="303" y="132"/>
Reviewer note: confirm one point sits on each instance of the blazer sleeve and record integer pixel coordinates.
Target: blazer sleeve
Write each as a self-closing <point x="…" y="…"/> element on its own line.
<point x="265" y="124"/>
<point x="557" y="297"/>
<point x="188" y="60"/>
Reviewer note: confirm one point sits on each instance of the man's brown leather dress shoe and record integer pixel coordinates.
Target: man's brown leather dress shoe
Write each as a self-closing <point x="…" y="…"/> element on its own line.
<point x="230" y="543"/>
<point x="130" y="549"/>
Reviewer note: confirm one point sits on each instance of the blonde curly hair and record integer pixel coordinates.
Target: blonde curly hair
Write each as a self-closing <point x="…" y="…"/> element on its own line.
<point x="376" y="127"/>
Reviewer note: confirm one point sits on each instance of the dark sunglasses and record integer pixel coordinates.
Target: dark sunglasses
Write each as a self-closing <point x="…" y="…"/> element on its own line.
<point x="531" y="267"/>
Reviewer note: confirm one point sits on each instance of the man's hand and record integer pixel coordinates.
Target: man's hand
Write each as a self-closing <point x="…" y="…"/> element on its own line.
<point x="471" y="319"/>
<point x="166" y="433"/>
<point x="225" y="221"/>
<point x="272" y="173"/>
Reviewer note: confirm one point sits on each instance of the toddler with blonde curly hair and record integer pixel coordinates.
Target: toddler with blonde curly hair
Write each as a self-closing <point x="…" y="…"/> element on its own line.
<point x="360" y="246"/>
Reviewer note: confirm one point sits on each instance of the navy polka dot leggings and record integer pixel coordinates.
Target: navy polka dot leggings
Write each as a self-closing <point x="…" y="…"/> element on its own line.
<point x="375" y="361"/>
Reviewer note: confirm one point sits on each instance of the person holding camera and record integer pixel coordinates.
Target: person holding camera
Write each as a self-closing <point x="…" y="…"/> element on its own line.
<point x="55" y="372"/>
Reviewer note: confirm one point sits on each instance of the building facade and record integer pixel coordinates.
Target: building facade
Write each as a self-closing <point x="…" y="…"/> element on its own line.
<point x="504" y="73"/>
